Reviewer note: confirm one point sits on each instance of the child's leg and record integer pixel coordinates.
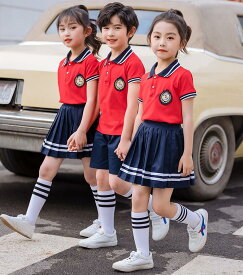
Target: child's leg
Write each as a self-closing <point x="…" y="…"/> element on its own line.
<point x="196" y="221"/>
<point x="107" y="201"/>
<point x="142" y="258"/>
<point x="174" y="211"/>
<point x="140" y="218"/>
<point x="120" y="186"/>
<point x="160" y="226"/>
<point x="90" y="177"/>
<point x="47" y="172"/>
<point x="25" y="224"/>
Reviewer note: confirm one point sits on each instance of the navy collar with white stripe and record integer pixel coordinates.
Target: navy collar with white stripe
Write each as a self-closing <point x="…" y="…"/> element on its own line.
<point x="122" y="57"/>
<point x="167" y="71"/>
<point x="78" y="59"/>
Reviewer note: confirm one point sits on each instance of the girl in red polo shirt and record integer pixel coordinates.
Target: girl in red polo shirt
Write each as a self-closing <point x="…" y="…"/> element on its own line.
<point x="160" y="156"/>
<point x="77" y="80"/>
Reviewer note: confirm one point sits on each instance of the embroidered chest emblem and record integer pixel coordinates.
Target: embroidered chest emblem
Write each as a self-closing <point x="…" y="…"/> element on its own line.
<point x="79" y="80"/>
<point x="120" y="84"/>
<point x="165" y="97"/>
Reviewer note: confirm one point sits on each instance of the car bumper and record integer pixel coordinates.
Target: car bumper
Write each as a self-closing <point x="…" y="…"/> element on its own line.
<point x="24" y="130"/>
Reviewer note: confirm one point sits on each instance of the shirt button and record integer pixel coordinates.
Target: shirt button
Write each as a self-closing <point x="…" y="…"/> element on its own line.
<point x="153" y="87"/>
<point x="67" y="72"/>
<point x="109" y="63"/>
<point x="154" y="76"/>
<point x="107" y="72"/>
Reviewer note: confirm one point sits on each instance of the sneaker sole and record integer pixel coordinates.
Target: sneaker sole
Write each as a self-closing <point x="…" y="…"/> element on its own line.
<point x="98" y="246"/>
<point x="205" y="214"/>
<point x="141" y="267"/>
<point x="13" y="228"/>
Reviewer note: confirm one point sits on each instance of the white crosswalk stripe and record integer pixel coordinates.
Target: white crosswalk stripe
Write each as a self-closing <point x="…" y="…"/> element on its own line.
<point x="239" y="232"/>
<point x="17" y="252"/>
<point x="211" y="265"/>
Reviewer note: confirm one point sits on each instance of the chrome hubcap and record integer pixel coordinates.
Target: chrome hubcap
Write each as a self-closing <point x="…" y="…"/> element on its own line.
<point x="213" y="152"/>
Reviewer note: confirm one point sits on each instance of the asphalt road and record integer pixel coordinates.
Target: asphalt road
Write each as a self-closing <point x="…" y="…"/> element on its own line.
<point x="70" y="207"/>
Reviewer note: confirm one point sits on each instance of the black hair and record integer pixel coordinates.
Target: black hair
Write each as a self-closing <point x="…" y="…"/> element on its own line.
<point x="174" y="17"/>
<point x="81" y="15"/>
<point x="126" y="14"/>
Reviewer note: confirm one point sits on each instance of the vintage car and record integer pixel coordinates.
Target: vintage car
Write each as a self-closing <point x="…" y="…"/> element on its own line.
<point x="29" y="94"/>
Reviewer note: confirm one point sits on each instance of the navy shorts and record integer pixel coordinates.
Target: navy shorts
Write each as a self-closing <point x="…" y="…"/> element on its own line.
<point x="103" y="156"/>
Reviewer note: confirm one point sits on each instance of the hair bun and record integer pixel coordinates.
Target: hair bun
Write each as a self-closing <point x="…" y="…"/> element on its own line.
<point x="177" y="12"/>
<point x="82" y="7"/>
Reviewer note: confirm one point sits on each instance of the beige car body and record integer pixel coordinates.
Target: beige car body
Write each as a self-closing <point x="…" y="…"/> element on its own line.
<point x="215" y="59"/>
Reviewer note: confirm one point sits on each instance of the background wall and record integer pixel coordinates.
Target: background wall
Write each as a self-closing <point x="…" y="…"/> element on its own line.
<point x="18" y="16"/>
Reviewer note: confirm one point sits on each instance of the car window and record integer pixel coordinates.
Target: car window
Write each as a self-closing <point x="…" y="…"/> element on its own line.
<point x="240" y="30"/>
<point x="145" y="19"/>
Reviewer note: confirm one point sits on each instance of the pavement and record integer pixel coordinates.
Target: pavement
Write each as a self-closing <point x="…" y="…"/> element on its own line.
<point x="70" y="208"/>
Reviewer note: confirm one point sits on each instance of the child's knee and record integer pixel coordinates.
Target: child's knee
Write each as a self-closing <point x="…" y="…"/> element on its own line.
<point x="90" y="179"/>
<point x="162" y="209"/>
<point x="45" y="171"/>
<point x="114" y="184"/>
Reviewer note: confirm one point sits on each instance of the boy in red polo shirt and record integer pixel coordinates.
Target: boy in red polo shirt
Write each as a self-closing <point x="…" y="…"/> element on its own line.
<point x="120" y="75"/>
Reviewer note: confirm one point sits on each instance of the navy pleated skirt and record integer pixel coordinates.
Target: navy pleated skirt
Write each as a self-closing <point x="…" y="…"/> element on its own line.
<point x="154" y="155"/>
<point x="64" y="125"/>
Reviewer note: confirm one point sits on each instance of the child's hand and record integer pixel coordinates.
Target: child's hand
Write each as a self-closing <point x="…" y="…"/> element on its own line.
<point x="122" y="149"/>
<point x="186" y="163"/>
<point x="71" y="143"/>
<point x="80" y="139"/>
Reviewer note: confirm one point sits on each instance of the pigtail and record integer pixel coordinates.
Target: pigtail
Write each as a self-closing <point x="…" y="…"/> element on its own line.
<point x="93" y="40"/>
<point x="188" y="33"/>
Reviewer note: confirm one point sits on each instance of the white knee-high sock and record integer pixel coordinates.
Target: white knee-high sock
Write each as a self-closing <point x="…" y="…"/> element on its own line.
<point x="184" y="215"/>
<point x="107" y="204"/>
<point x="150" y="208"/>
<point x="128" y="195"/>
<point x="95" y="194"/>
<point x="140" y="228"/>
<point x="40" y="194"/>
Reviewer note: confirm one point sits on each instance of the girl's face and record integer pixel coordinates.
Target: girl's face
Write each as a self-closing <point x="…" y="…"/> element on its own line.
<point x="72" y="34"/>
<point x="165" y="41"/>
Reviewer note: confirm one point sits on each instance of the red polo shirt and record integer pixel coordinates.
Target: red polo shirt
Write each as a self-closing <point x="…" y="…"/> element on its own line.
<point x="74" y="75"/>
<point x="115" y="77"/>
<point x="162" y="93"/>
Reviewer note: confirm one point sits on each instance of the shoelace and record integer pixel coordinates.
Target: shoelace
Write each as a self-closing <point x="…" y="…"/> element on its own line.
<point x="21" y="216"/>
<point x="132" y="256"/>
<point x="193" y="233"/>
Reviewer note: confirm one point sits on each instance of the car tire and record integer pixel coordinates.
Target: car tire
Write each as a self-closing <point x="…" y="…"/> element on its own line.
<point x="213" y="154"/>
<point x="21" y="162"/>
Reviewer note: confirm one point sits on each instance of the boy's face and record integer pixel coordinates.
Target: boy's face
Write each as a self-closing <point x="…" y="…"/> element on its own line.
<point x="115" y="34"/>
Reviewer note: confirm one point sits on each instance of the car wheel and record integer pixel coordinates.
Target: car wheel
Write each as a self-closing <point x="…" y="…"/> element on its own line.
<point x="213" y="154"/>
<point x="21" y="162"/>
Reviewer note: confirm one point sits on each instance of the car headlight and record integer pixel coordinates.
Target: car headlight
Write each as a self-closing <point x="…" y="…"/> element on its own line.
<point x="11" y="92"/>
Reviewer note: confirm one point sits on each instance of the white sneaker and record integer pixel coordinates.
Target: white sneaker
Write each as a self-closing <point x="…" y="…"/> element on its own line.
<point x="198" y="235"/>
<point x="160" y="226"/>
<point x="90" y="230"/>
<point x="136" y="261"/>
<point x="19" y="224"/>
<point x="99" y="239"/>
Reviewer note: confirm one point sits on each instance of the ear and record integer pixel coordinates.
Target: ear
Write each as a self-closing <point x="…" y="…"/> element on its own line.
<point x="131" y="32"/>
<point x="88" y="31"/>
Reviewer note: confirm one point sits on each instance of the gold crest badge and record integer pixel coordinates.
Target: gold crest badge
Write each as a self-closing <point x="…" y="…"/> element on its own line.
<point x="120" y="84"/>
<point x="79" y="80"/>
<point x="165" y="97"/>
